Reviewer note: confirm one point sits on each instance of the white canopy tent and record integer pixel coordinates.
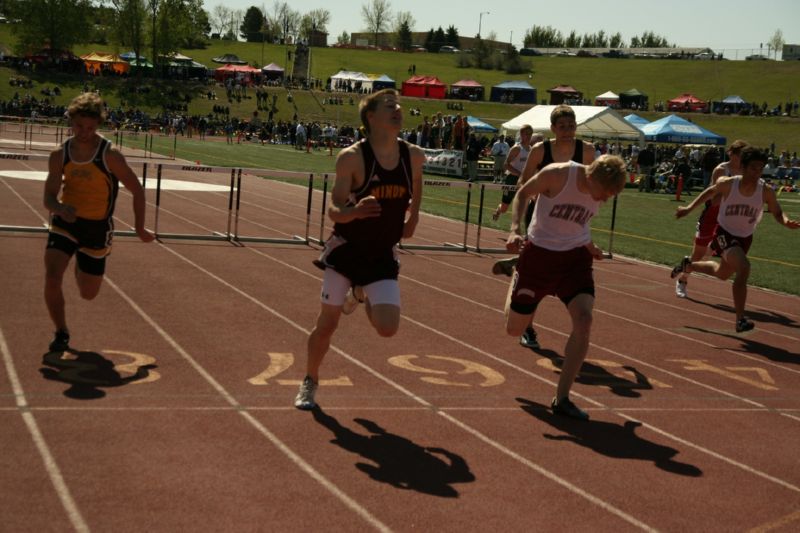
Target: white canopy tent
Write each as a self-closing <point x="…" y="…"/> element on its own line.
<point x="594" y="122"/>
<point x="345" y="80"/>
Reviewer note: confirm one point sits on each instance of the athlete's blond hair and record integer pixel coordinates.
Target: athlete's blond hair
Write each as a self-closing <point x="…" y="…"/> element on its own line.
<point x="609" y="172"/>
<point x="87" y="105"/>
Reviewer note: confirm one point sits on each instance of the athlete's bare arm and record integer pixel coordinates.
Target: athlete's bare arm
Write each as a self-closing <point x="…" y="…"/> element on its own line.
<point x="538" y="184"/>
<point x="52" y="187"/>
<point x="532" y="164"/>
<point x="417" y="160"/>
<point x="119" y="167"/>
<point x="588" y="153"/>
<point x="722" y="187"/>
<point x="350" y="176"/>
<point x="777" y="211"/>
<point x="512" y="156"/>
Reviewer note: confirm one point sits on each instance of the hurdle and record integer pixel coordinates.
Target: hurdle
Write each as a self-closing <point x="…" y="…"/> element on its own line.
<point x="447" y="246"/>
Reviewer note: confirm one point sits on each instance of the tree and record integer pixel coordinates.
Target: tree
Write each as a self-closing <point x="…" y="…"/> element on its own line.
<point x="616" y="41"/>
<point x="252" y="25"/>
<point x="130" y="24"/>
<point x="220" y="18"/>
<point x="438" y="39"/>
<point x="573" y="40"/>
<point x="314" y="20"/>
<point x="543" y="37"/>
<point x="451" y="37"/>
<point x="344" y="38"/>
<point x="403" y="40"/>
<point x="429" y="41"/>
<point x="776" y="42"/>
<point x="377" y="15"/>
<point x="285" y="19"/>
<point x="44" y="23"/>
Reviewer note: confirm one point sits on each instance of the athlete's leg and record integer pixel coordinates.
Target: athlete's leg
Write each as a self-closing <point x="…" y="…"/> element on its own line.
<point x="737" y="258"/>
<point x="516" y="323"/>
<point x="55" y="264"/>
<point x="88" y="284"/>
<point x="699" y="251"/>
<point x="320" y="339"/>
<point x="382" y="304"/>
<point x="580" y="311"/>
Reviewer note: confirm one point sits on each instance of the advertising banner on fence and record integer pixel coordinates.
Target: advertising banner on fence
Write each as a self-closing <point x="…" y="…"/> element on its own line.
<point x="444" y="162"/>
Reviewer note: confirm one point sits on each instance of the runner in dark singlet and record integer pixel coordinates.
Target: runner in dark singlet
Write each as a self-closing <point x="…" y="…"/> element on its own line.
<point x="374" y="203"/>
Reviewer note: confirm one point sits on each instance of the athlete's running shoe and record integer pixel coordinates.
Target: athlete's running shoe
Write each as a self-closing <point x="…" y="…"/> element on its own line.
<point x="680" y="267"/>
<point x="743" y="325"/>
<point x="60" y="342"/>
<point x="529" y="339"/>
<point x="505" y="266"/>
<point x="565" y="407"/>
<point x="354" y="297"/>
<point x="305" y="396"/>
<point x="680" y="289"/>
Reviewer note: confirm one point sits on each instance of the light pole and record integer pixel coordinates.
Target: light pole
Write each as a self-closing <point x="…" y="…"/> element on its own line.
<point x="480" y="19"/>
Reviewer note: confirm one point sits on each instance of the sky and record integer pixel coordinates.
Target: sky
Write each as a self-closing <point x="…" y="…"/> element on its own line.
<point x="720" y="25"/>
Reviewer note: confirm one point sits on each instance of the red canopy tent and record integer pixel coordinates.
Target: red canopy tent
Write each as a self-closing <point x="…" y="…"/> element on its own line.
<point x="686" y="102"/>
<point x="246" y="72"/>
<point x="467" y="89"/>
<point x="561" y="93"/>
<point x="424" y="87"/>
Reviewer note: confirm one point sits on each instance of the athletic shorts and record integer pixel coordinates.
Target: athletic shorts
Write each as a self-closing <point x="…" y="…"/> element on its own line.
<point x="724" y="240"/>
<point x="706" y="225"/>
<point x="91" y="239"/>
<point x="335" y="287"/>
<point x="541" y="272"/>
<point x="361" y="265"/>
<point x="508" y="194"/>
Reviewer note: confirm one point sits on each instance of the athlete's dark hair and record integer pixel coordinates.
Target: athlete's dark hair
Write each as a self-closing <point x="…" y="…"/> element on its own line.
<point x="370" y="103"/>
<point x="561" y="111"/>
<point x="751" y="153"/>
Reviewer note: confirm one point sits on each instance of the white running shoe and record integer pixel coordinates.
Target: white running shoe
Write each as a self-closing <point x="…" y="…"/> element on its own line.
<point x="680" y="289"/>
<point x="305" y="396"/>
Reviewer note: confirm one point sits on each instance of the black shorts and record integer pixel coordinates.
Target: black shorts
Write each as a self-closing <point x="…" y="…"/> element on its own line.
<point x="723" y="241"/>
<point x="361" y="265"/>
<point x="508" y="193"/>
<point x="90" y="238"/>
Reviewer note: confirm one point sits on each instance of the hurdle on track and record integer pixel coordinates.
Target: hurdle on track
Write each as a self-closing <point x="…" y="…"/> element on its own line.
<point x="234" y="198"/>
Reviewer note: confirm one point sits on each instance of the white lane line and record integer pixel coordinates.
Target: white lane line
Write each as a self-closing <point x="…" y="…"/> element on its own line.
<point x="50" y="465"/>
<point x="294" y="457"/>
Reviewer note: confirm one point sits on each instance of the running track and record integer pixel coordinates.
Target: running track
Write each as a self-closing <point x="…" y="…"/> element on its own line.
<point x="175" y="412"/>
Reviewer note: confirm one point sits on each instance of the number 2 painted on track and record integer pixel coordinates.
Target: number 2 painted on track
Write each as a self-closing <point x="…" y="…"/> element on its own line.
<point x="279" y="362"/>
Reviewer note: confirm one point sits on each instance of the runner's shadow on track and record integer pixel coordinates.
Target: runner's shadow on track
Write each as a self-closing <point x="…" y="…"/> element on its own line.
<point x="87" y="373"/>
<point x="595" y="375"/>
<point x="769" y="317"/>
<point x="611" y="440"/>
<point x="398" y="461"/>
<point x="751" y="346"/>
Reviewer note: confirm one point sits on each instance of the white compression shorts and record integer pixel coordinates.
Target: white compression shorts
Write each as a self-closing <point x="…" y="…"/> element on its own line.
<point x="335" y="287"/>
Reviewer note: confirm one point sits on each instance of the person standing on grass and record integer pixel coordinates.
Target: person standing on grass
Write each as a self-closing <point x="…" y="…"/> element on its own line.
<point x="80" y="192"/>
<point x="375" y="202"/>
<point x="707" y="222"/>
<point x="556" y="255"/>
<point x="742" y="200"/>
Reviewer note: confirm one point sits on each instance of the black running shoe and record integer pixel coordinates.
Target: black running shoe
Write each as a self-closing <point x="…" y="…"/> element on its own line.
<point x="743" y="325"/>
<point x="505" y="266"/>
<point x="565" y="407"/>
<point x="680" y="267"/>
<point x="529" y="339"/>
<point x="60" y="342"/>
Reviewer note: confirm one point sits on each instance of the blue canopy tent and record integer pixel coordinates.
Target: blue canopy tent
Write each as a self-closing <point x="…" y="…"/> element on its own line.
<point x="731" y="104"/>
<point x="513" y="92"/>
<point x="674" y="129"/>
<point x="636" y="120"/>
<point x="476" y="125"/>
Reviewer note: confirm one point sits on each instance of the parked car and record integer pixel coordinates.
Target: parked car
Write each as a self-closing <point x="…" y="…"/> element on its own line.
<point x="447" y="49"/>
<point x="418" y="48"/>
<point x="586" y="53"/>
<point x="566" y="53"/>
<point x="704" y="55"/>
<point x="757" y="57"/>
<point x="618" y="54"/>
<point x="529" y="52"/>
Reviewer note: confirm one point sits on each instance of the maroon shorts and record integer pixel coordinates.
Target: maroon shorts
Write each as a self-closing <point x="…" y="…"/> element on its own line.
<point x="706" y="225"/>
<point x="724" y="240"/>
<point x="542" y="272"/>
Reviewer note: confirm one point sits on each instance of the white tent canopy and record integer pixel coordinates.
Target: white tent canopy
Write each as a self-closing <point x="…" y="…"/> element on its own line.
<point x="594" y="122"/>
<point x="345" y="79"/>
<point x="608" y="95"/>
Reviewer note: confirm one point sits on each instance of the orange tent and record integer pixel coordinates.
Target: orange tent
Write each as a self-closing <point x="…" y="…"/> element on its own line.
<point x="97" y="62"/>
